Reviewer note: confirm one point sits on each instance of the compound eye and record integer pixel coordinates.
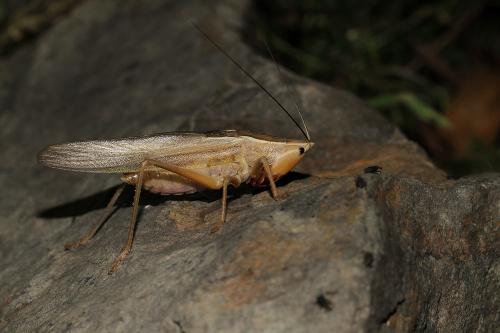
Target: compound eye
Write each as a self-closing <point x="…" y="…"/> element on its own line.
<point x="302" y="150"/>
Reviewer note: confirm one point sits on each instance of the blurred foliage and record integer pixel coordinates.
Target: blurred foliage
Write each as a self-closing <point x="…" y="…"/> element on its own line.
<point x="408" y="100"/>
<point x="481" y="158"/>
<point x="404" y="57"/>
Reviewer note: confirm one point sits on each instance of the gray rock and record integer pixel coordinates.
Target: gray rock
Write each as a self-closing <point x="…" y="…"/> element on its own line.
<point x="404" y="250"/>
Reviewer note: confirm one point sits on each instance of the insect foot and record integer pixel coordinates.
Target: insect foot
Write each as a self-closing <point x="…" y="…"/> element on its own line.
<point x="72" y="246"/>
<point x="215" y="228"/>
<point x="118" y="261"/>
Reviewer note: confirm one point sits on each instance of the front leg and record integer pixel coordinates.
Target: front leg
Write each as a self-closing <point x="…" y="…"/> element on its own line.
<point x="267" y="170"/>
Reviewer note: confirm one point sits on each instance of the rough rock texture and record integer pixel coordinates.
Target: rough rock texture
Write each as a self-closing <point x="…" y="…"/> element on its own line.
<point x="342" y="251"/>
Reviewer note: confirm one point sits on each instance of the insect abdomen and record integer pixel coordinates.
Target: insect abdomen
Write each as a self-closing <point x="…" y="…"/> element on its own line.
<point x="162" y="183"/>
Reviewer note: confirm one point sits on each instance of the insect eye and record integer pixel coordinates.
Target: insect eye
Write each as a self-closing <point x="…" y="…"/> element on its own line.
<point x="302" y="150"/>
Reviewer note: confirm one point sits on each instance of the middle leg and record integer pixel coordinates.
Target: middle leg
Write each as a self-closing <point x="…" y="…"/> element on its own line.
<point x="219" y="225"/>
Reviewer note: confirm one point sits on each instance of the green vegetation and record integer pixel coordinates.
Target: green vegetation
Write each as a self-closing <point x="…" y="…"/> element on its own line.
<point x="403" y="57"/>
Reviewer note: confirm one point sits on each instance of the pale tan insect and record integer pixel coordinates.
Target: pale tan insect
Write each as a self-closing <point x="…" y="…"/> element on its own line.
<point x="180" y="163"/>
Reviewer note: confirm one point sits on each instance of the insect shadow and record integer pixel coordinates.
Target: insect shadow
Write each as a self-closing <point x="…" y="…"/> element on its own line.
<point x="98" y="200"/>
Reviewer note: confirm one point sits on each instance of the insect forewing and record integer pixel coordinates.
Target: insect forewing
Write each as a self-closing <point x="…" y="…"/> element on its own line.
<point x="127" y="154"/>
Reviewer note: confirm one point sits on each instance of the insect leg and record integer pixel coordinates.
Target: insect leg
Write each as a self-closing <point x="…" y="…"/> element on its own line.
<point x="203" y="180"/>
<point x="269" y="175"/>
<point x="216" y="227"/>
<point x="131" y="228"/>
<point x="198" y="178"/>
<point x="107" y="213"/>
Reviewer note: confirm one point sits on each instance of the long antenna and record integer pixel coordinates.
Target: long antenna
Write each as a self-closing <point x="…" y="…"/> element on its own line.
<point x="251" y="77"/>
<point x="288" y="89"/>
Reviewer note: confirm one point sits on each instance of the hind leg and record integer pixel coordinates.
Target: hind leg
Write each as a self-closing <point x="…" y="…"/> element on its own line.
<point x="107" y="213"/>
<point x="203" y="180"/>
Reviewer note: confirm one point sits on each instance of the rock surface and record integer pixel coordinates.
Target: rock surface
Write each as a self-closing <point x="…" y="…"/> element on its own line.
<point x="341" y="251"/>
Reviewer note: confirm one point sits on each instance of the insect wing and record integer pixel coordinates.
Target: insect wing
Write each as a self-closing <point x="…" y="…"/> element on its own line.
<point x="127" y="154"/>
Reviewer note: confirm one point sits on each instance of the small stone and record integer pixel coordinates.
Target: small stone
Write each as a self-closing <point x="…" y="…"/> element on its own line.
<point x="373" y="169"/>
<point x="323" y="302"/>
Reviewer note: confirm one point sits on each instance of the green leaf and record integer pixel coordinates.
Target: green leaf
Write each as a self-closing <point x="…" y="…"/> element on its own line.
<point x="415" y="105"/>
